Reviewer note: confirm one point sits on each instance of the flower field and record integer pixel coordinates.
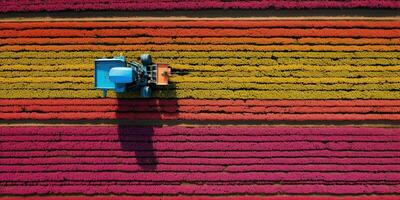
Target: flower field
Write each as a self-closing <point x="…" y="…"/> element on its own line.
<point x="242" y="60"/>
<point x="59" y="139"/>
<point x="215" y="160"/>
<point x="186" y="109"/>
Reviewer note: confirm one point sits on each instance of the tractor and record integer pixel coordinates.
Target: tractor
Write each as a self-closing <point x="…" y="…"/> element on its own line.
<point x="121" y="76"/>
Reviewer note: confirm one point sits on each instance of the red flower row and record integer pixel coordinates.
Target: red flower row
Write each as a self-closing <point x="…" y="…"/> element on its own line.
<point x="296" y="110"/>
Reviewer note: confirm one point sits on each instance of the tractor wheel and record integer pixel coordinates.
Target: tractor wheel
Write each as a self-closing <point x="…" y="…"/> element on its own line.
<point x="146" y="59"/>
<point x="145" y="92"/>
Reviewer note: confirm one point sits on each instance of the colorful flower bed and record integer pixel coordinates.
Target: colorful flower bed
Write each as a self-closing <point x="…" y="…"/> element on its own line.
<point x="297" y="71"/>
<point x="217" y="110"/>
<point x="214" y="160"/>
<point x="133" y="5"/>
<point x="242" y="59"/>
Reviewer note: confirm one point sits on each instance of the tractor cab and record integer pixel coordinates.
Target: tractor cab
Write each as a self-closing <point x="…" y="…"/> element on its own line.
<point x="120" y="76"/>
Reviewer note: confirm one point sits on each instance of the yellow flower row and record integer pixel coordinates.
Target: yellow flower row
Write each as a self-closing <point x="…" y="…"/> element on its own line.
<point x="210" y="68"/>
<point x="216" y="86"/>
<point x="87" y="67"/>
<point x="250" y="74"/>
<point x="233" y="73"/>
<point x="47" y="80"/>
<point x="81" y="67"/>
<point x="249" y="68"/>
<point x="208" y="94"/>
<point x="48" y="86"/>
<point x="210" y="80"/>
<point x="286" y="86"/>
<point x="75" y="73"/>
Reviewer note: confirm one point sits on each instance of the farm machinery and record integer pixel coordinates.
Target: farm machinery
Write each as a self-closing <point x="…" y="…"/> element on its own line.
<point x="121" y="76"/>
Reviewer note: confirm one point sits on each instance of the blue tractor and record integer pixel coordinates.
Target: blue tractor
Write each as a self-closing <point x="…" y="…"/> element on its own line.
<point x="121" y="76"/>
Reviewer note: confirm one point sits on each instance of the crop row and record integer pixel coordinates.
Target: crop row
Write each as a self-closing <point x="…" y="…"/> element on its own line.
<point x="199" y="176"/>
<point x="68" y="73"/>
<point x="172" y="47"/>
<point x="251" y="75"/>
<point x="245" y="69"/>
<point x="203" y="146"/>
<point x="189" y="79"/>
<point x="241" y="150"/>
<point x="202" y="24"/>
<point x="210" y="68"/>
<point x="194" y="5"/>
<point x="281" y="74"/>
<point x="200" y="116"/>
<point x="127" y="168"/>
<point x="217" y="62"/>
<point x="206" y="189"/>
<point x="193" y="102"/>
<point x="220" y="86"/>
<point x="61" y="67"/>
<point x="205" y="154"/>
<point x="196" y="54"/>
<point x="132" y="131"/>
<point x="226" y="80"/>
<point x="205" y="197"/>
<point x="199" y="40"/>
<point x="203" y="109"/>
<point x="205" y="32"/>
<point x="209" y="138"/>
<point x="209" y="94"/>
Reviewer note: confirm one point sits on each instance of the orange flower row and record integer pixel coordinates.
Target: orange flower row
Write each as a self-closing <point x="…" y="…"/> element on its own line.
<point x="197" y="40"/>
<point x="171" y="47"/>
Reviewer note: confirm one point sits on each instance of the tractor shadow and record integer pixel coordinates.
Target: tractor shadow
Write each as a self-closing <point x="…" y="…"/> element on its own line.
<point x="139" y="141"/>
<point x="137" y="120"/>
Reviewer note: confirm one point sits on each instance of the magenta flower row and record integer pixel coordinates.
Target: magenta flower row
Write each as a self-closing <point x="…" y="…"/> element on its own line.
<point x="61" y="5"/>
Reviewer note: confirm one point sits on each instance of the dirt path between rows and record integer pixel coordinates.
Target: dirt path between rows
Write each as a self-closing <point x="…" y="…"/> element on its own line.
<point x="301" y="14"/>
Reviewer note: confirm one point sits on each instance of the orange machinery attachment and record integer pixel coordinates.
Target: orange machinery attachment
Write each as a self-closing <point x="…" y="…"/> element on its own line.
<point x="163" y="73"/>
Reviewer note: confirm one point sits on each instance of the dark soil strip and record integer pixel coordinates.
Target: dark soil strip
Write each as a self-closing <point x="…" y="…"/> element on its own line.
<point x="210" y="13"/>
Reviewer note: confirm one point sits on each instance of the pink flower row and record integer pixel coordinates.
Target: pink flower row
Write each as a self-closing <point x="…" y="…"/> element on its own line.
<point x="193" y="5"/>
<point x="201" y="154"/>
<point x="65" y="168"/>
<point x="201" y="146"/>
<point x="199" y="176"/>
<point x="201" y="138"/>
<point x="173" y="130"/>
<point x="207" y="197"/>
<point x="199" y="116"/>
<point x="186" y="189"/>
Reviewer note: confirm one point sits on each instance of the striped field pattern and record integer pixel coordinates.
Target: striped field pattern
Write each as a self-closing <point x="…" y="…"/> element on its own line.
<point x="264" y="71"/>
<point x="210" y="59"/>
<point x="202" y="160"/>
<point x="187" y="109"/>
